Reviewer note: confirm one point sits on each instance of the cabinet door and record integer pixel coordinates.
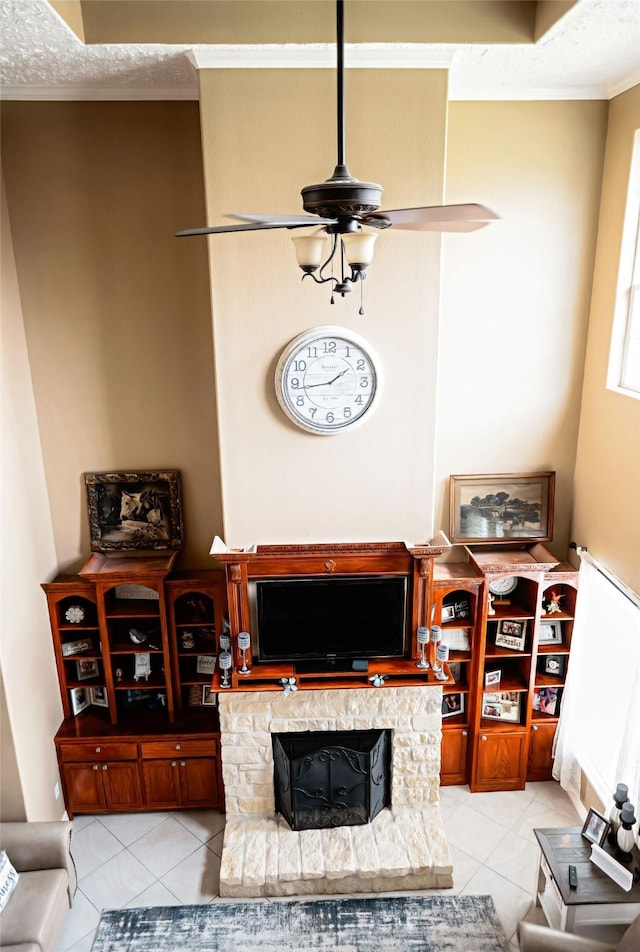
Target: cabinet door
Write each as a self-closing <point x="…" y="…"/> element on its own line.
<point x="161" y="779"/>
<point x="84" y="789"/>
<point x="453" y="765"/>
<point x="121" y="786"/>
<point x="501" y="761"/>
<point x="540" y="744"/>
<point x="199" y="782"/>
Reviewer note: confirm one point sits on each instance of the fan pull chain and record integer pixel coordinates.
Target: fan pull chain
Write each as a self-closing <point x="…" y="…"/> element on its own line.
<point x="361" y="311"/>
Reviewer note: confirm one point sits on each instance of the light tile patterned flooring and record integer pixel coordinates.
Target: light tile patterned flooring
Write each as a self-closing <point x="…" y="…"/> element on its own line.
<point x="160" y="859"/>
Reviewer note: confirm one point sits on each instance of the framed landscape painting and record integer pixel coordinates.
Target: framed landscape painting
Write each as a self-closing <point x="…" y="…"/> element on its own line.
<point x="140" y="510"/>
<point x="505" y="507"/>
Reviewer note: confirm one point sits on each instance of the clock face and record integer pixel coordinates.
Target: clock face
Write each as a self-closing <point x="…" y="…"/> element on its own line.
<point x="328" y="379"/>
<point x="503" y="586"/>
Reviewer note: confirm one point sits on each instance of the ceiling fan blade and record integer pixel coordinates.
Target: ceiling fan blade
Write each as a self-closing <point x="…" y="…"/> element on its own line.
<point x="249" y="226"/>
<point x="284" y="221"/>
<point x="434" y="218"/>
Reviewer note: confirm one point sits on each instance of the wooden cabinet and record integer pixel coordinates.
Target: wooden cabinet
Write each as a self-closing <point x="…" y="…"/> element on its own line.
<point x="540" y="760"/>
<point x="196" y="607"/>
<point x="501" y="760"/>
<point x="100" y="777"/>
<point x="458" y="607"/>
<point x="117" y="773"/>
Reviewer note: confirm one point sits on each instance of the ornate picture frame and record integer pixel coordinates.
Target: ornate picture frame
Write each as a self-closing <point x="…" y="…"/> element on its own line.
<point x="134" y="510"/>
<point x="503" y="507"/>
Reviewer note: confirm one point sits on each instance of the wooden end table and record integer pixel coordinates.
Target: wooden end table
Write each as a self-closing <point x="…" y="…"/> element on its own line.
<point x="597" y="900"/>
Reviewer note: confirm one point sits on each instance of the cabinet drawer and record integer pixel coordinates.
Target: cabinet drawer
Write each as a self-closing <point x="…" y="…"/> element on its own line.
<point x="156" y="750"/>
<point x="97" y="750"/>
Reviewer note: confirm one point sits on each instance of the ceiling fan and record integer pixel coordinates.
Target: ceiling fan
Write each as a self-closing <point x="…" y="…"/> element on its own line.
<point x="342" y="205"/>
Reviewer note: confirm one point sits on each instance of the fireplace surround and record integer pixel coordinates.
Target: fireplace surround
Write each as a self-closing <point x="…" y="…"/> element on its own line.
<point x="404" y="847"/>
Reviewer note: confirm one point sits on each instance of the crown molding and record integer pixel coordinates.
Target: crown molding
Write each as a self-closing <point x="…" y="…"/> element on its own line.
<point x="627" y="82"/>
<point x="98" y="93"/>
<point x="322" y="56"/>
<point x="524" y="94"/>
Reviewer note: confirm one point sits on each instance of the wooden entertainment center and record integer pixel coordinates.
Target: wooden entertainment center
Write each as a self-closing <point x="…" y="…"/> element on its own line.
<point x="144" y="734"/>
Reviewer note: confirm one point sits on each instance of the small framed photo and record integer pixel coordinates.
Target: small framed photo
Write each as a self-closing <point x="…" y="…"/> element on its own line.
<point x="209" y="697"/>
<point x="448" y="613"/>
<point x="141" y="510"/>
<point x="98" y="697"/>
<point x="206" y="664"/>
<point x="546" y="700"/>
<point x="550" y="633"/>
<point x="554" y="665"/>
<point x="76" y="647"/>
<point x="511" y="634"/>
<point x="452" y="704"/>
<point x="455" y="669"/>
<point x="501" y="706"/>
<point x="79" y="700"/>
<point x="502" y="507"/>
<point x="492" y="678"/>
<point x="87" y="669"/>
<point x="595" y="827"/>
<point x="456" y="610"/>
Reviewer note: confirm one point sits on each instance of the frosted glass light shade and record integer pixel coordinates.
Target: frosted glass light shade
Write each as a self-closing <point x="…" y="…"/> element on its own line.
<point x="358" y="248"/>
<point x="310" y="250"/>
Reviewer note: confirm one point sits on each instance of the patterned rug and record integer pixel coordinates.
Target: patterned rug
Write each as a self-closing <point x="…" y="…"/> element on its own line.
<point x="408" y="924"/>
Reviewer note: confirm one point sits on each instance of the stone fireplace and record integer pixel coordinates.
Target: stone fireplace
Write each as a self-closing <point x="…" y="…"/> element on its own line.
<point x="403" y="847"/>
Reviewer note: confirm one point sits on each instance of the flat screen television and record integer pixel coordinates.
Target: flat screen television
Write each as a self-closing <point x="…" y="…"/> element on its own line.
<point x="324" y="619"/>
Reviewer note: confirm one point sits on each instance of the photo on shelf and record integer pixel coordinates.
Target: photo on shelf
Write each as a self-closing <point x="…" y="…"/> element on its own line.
<point x="456" y="639"/>
<point x="455" y="610"/>
<point x="511" y="634"/>
<point x="209" y="697"/>
<point x="87" y="669"/>
<point x="550" y="633"/>
<point x="205" y="664"/>
<point x="492" y="678"/>
<point x="554" y="665"/>
<point x="98" y="697"/>
<point x="456" y="670"/>
<point x="501" y="706"/>
<point x="452" y="704"/>
<point x="595" y="828"/>
<point x="79" y="700"/>
<point x="195" y="696"/>
<point x="75" y="647"/>
<point x="545" y="700"/>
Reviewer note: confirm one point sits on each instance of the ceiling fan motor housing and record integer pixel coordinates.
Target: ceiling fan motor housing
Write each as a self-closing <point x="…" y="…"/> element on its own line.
<point x="342" y="197"/>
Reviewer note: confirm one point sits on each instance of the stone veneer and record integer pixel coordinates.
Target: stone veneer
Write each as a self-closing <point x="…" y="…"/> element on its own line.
<point x="405" y="846"/>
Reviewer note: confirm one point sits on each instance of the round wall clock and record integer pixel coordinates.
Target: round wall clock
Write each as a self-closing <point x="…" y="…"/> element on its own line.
<point x="503" y="586"/>
<point x="328" y="380"/>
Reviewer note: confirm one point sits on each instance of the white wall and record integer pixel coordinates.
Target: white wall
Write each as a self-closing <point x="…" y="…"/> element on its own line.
<point x="28" y="557"/>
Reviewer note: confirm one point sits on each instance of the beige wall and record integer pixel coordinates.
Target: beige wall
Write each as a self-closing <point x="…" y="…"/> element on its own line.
<point x="116" y="309"/>
<point x="30" y="704"/>
<point x="606" y="516"/>
<point x="516" y="295"/>
<point x="280" y="483"/>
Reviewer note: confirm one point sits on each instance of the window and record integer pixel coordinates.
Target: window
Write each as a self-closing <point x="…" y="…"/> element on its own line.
<point x="624" y="358"/>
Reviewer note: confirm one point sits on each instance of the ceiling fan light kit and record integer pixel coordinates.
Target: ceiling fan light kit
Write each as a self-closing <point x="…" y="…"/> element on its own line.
<point x="342" y="205"/>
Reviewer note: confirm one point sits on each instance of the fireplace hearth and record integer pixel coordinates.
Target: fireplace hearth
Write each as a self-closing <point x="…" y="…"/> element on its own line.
<point x="324" y="780"/>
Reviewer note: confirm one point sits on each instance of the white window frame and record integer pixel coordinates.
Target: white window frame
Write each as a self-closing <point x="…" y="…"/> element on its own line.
<point x="624" y="355"/>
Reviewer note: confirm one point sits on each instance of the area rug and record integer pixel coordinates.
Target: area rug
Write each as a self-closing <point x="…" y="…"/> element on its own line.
<point x="403" y="924"/>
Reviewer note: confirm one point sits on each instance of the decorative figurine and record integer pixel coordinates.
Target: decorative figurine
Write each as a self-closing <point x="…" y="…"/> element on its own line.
<point x="119" y="674"/>
<point x="74" y="614"/>
<point x="551" y="605"/>
<point x="288" y="684"/>
<point x="142" y="666"/>
<point x="187" y="640"/>
<point x="137" y="636"/>
<point x="491" y="610"/>
<point x="378" y="680"/>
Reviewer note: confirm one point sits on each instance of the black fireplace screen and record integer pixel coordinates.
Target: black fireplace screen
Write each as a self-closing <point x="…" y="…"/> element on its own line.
<point x="338" y="778"/>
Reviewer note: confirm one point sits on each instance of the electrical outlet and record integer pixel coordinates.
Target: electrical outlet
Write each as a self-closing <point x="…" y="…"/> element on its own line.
<point x="56" y="791"/>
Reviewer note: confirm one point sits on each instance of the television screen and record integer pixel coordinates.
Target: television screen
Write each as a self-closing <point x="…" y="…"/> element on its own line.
<point x="337" y="617"/>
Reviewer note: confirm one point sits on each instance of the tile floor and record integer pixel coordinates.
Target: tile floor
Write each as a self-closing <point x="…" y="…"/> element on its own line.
<point x="159" y="859"/>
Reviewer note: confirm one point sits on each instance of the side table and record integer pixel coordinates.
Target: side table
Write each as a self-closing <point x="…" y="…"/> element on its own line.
<point x="597" y="900"/>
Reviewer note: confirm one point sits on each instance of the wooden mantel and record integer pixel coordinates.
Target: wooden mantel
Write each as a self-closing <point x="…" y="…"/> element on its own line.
<point x="415" y="562"/>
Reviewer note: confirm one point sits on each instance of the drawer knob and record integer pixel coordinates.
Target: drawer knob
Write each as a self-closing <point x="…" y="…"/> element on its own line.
<point x="464" y="733"/>
<point x="535" y="727"/>
<point x="177" y="746"/>
<point x="484" y="737"/>
<point x="104" y="766"/>
<point x="95" y="767"/>
<point x="174" y="763"/>
<point x="182" y="763"/>
<point x="98" y="749"/>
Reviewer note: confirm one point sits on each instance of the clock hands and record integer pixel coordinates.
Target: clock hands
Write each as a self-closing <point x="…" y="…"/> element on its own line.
<point x="326" y="383"/>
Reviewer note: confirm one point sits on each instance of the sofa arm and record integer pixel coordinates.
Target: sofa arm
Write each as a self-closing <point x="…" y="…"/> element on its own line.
<point x="40" y="845"/>
<point x="536" y="938"/>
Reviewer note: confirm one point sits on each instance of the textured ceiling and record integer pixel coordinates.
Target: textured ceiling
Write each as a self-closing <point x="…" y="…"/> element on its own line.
<point x="593" y="52"/>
